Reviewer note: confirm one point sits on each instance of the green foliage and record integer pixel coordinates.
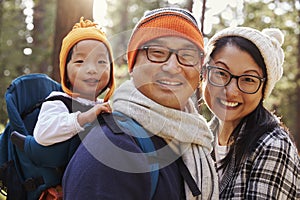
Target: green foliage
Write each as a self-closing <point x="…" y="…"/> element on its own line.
<point x="280" y="15"/>
<point x="121" y="74"/>
<point x="121" y="18"/>
<point x="14" y="37"/>
<point x="2" y="197"/>
<point x="43" y="37"/>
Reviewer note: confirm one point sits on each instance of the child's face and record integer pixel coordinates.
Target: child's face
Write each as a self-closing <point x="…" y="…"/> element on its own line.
<point x="89" y="68"/>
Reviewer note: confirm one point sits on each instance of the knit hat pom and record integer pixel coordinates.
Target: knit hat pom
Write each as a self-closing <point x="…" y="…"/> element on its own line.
<point x="84" y="24"/>
<point x="274" y="33"/>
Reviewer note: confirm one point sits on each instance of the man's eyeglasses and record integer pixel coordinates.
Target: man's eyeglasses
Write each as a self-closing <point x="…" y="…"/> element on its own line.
<point x="220" y="77"/>
<point x="186" y="57"/>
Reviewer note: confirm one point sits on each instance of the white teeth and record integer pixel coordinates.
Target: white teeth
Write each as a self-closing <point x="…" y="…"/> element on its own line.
<point x="229" y="104"/>
<point x="92" y="80"/>
<point x="169" y="83"/>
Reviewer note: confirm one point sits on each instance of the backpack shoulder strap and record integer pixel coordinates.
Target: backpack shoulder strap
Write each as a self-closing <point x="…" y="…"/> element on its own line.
<point x="71" y="104"/>
<point x="67" y="101"/>
<point x="111" y="123"/>
<point x="120" y="123"/>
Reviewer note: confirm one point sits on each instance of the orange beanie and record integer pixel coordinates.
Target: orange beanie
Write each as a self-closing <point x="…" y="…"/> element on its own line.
<point x="163" y="22"/>
<point x="84" y="30"/>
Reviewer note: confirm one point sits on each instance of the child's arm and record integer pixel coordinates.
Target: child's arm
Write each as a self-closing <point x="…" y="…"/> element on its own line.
<point x="55" y="124"/>
<point x="90" y="115"/>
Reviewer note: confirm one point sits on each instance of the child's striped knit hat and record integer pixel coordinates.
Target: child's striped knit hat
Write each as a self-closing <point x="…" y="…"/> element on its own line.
<point x="160" y="23"/>
<point x="84" y="30"/>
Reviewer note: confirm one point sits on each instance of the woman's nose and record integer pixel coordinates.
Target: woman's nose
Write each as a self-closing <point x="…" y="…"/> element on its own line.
<point x="232" y="88"/>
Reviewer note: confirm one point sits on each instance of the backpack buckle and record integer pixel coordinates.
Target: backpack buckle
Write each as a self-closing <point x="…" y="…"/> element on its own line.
<point x="31" y="184"/>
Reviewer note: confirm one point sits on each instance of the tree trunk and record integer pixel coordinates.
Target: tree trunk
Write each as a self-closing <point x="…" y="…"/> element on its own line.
<point x="121" y="45"/>
<point x="198" y="91"/>
<point x="1" y="24"/>
<point x="40" y="42"/>
<point x="297" y="133"/>
<point x="67" y="14"/>
<point x="189" y="5"/>
<point x="203" y="16"/>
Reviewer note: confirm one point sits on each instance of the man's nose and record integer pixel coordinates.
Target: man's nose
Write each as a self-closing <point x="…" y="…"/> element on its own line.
<point x="172" y="65"/>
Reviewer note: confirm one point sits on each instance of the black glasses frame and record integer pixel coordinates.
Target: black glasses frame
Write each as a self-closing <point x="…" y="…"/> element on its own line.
<point x="209" y="68"/>
<point x="171" y="51"/>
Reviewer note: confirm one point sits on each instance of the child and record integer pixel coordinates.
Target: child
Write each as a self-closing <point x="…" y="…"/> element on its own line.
<point x="86" y="69"/>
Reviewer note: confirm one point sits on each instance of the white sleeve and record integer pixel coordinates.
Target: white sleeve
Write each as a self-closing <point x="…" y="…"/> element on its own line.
<point x="55" y="124"/>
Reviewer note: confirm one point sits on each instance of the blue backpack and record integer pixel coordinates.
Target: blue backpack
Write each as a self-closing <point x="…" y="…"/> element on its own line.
<point x="20" y="177"/>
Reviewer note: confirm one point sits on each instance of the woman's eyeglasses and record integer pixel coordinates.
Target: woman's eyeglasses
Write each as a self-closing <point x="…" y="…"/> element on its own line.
<point x="220" y="77"/>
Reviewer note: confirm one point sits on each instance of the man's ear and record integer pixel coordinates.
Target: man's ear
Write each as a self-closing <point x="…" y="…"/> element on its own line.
<point x="203" y="73"/>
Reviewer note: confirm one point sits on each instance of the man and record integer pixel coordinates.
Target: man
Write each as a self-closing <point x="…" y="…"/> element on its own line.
<point x="165" y="54"/>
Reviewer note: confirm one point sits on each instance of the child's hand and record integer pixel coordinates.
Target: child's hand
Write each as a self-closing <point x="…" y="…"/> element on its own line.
<point x="90" y="115"/>
<point x="100" y="108"/>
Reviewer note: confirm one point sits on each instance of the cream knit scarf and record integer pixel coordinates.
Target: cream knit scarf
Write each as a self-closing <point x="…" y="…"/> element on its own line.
<point x="187" y="130"/>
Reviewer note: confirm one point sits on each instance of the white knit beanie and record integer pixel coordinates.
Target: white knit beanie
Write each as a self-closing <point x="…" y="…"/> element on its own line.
<point x="268" y="41"/>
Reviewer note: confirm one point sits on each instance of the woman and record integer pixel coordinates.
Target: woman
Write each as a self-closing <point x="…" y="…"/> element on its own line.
<point x="255" y="156"/>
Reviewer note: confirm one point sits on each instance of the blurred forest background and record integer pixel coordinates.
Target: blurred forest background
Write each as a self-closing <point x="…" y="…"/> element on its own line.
<point x="31" y="32"/>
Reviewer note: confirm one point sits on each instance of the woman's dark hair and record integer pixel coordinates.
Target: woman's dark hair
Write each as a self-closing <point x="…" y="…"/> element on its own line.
<point x="255" y="125"/>
<point x="259" y="121"/>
